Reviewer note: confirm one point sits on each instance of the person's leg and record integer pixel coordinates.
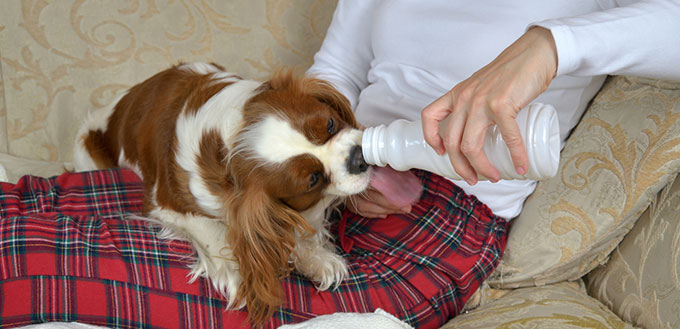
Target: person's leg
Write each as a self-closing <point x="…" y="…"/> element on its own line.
<point x="69" y="253"/>
<point x="421" y="267"/>
<point x="103" y="193"/>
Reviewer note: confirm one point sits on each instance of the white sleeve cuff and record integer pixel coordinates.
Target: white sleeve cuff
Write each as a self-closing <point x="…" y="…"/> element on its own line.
<point x="567" y="58"/>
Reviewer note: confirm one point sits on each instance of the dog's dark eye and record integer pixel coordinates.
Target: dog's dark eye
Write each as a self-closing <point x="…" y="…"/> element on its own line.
<point x="331" y="126"/>
<point x="314" y="179"/>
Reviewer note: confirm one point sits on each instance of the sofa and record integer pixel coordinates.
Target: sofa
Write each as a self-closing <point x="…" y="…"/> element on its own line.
<point x="597" y="246"/>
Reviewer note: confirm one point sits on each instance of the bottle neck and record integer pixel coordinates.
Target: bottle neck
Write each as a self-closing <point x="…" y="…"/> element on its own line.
<point x="373" y="144"/>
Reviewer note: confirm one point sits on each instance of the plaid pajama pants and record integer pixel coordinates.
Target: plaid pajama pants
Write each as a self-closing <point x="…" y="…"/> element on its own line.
<point x="68" y="253"/>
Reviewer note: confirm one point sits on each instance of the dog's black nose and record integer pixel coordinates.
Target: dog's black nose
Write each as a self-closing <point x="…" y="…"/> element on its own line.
<point x="356" y="163"/>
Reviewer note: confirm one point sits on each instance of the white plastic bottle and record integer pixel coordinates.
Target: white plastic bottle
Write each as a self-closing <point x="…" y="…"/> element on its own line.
<point x="402" y="146"/>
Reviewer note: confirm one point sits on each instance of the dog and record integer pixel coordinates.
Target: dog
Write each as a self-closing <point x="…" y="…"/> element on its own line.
<point x="247" y="171"/>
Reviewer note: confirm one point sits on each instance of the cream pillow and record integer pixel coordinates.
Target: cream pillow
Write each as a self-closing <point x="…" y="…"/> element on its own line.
<point x="563" y="305"/>
<point x="621" y="154"/>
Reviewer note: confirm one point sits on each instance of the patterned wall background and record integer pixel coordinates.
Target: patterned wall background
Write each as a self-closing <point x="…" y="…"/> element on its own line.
<point x="60" y="59"/>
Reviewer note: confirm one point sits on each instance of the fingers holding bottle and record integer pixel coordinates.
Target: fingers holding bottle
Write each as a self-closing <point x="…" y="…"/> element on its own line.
<point x="492" y="95"/>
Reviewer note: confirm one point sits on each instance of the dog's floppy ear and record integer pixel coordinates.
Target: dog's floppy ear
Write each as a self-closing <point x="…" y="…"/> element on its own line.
<point x="263" y="233"/>
<point x="326" y="93"/>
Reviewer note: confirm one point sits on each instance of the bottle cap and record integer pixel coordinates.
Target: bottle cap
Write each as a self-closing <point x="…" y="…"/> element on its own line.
<point x="371" y="141"/>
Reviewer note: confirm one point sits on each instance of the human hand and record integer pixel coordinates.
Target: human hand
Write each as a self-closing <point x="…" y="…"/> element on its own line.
<point x="390" y="192"/>
<point x="492" y="95"/>
<point x="373" y="204"/>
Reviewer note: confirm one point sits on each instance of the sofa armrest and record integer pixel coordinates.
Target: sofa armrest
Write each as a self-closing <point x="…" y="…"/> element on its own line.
<point x="641" y="281"/>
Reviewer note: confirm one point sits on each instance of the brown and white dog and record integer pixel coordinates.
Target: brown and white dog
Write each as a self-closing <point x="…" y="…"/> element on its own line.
<point x="245" y="170"/>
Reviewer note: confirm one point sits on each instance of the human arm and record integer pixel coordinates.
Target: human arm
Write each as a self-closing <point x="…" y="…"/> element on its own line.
<point x="640" y="39"/>
<point x="345" y="54"/>
<point x="344" y="60"/>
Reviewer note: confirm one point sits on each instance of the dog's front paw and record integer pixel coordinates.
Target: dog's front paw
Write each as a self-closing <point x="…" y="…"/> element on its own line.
<point x="324" y="267"/>
<point x="214" y="260"/>
<point x="221" y="272"/>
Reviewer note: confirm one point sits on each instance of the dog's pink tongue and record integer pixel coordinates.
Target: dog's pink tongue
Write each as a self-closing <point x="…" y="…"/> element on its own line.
<point x="402" y="188"/>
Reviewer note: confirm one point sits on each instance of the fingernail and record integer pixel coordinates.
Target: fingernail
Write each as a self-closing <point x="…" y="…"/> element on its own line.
<point x="406" y="210"/>
<point x="521" y="170"/>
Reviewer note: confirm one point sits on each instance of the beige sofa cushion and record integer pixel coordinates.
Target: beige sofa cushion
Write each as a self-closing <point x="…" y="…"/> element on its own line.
<point x="641" y="282"/>
<point x="621" y="154"/>
<point x="14" y="168"/>
<point x="3" y="116"/>
<point x="563" y="305"/>
<point x="60" y="59"/>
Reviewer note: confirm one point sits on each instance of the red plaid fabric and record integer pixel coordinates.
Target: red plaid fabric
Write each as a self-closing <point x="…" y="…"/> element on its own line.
<point x="68" y="253"/>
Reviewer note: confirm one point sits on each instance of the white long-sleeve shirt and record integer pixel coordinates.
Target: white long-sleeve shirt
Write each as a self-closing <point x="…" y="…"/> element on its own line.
<point x="391" y="58"/>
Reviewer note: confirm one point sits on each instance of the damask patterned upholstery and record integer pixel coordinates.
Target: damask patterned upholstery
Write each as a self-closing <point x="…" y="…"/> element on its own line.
<point x="641" y="281"/>
<point x="623" y="152"/>
<point x="562" y="305"/>
<point x="61" y="59"/>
